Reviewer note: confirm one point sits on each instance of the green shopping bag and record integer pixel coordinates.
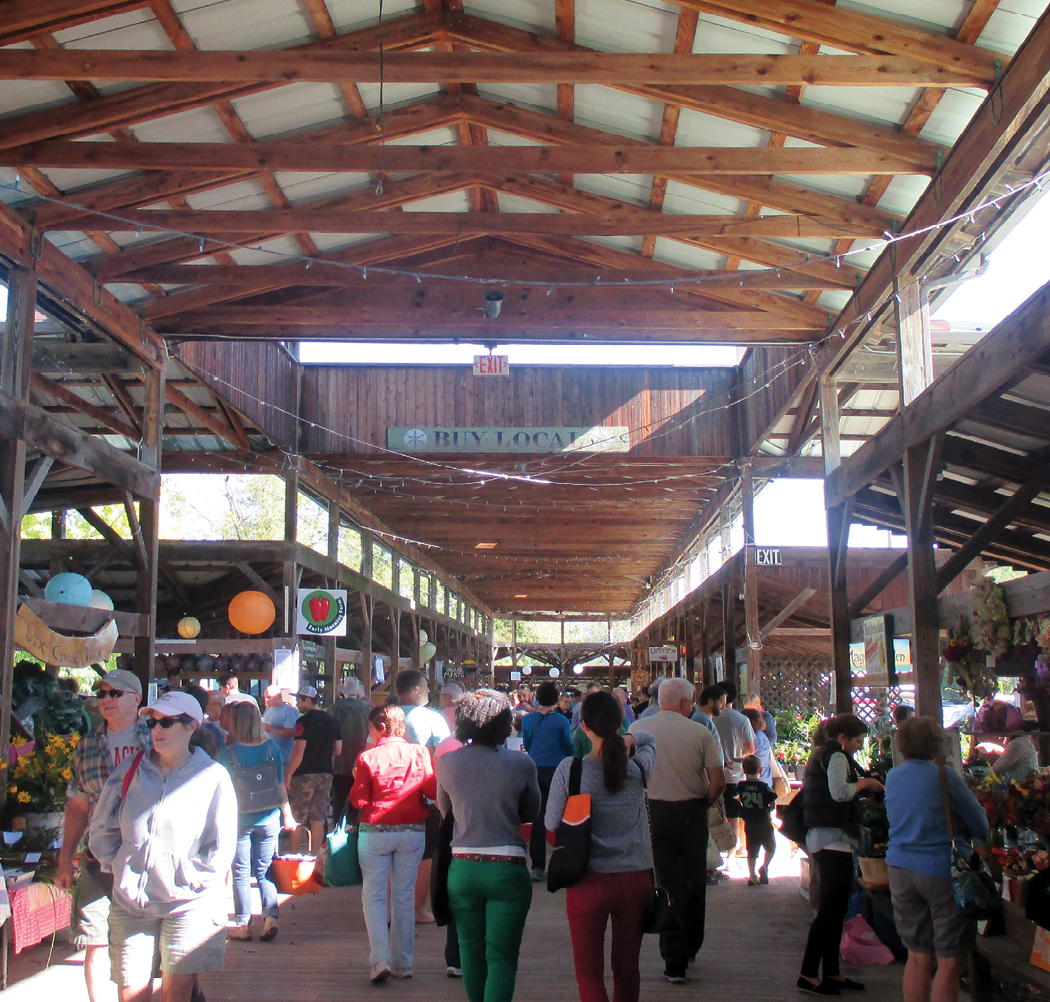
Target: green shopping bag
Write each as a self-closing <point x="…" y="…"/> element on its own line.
<point x="341" y="868"/>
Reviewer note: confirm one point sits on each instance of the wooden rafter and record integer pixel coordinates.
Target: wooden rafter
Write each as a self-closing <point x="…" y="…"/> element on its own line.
<point x="102" y="415"/>
<point x="566" y="68"/>
<point x="294" y="156"/>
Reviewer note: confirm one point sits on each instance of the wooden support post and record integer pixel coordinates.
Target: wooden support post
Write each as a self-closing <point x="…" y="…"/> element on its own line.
<point x="413" y="622"/>
<point x="16" y="352"/>
<point x="829" y="424"/>
<point x="838" y="519"/>
<point x="690" y="647"/>
<point x="751" y="627"/>
<point x="364" y="669"/>
<point x="608" y="640"/>
<point x="291" y="528"/>
<point x="514" y="645"/>
<point x="920" y="468"/>
<point x="729" y="671"/>
<point x="914" y="344"/>
<point x="706" y="673"/>
<point x="329" y="644"/>
<point x="395" y="645"/>
<point x="148" y="528"/>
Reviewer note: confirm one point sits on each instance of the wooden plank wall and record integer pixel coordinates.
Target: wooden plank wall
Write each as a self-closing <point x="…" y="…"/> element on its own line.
<point x="769" y="376"/>
<point x="671" y="412"/>
<point x="259" y="378"/>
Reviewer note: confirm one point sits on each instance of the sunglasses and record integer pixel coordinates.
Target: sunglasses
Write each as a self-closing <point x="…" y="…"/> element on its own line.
<point x="111" y="693"/>
<point x="166" y="722"/>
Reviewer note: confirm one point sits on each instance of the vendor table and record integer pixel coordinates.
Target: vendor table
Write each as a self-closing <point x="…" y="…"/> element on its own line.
<point x="36" y="912"/>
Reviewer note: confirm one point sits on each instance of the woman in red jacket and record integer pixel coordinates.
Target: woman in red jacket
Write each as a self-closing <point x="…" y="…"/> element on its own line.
<point x="392" y="779"/>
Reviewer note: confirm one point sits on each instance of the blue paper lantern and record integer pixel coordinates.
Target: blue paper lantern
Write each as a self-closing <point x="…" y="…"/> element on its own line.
<point x="68" y="589"/>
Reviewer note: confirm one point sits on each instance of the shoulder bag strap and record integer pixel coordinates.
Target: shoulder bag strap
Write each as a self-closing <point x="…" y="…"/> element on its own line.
<point x="130" y="774"/>
<point x="947" y="801"/>
<point x="575" y="775"/>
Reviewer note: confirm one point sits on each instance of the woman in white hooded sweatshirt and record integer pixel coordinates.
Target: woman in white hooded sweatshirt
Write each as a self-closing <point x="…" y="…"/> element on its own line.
<point x="166" y="828"/>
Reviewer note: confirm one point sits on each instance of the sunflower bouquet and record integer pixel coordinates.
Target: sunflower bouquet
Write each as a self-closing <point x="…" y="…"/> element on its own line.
<point x="40" y="775"/>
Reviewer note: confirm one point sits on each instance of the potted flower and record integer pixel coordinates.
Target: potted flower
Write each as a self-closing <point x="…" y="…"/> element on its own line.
<point x="39" y="779"/>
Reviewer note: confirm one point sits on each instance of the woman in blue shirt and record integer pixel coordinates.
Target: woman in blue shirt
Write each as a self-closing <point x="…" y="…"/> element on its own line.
<point x="547" y="737"/>
<point x="248" y="751"/>
<point x="919" y="859"/>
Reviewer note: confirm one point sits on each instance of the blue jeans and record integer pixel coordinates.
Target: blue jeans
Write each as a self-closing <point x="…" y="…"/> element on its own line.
<point x="395" y="855"/>
<point x="256" y="847"/>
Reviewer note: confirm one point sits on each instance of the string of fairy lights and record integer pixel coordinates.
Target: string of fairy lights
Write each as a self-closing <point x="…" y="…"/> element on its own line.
<point x="396" y="485"/>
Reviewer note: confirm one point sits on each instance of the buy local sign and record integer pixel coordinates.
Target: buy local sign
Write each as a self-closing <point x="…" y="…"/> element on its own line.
<point x="321" y="613"/>
<point x="512" y="439"/>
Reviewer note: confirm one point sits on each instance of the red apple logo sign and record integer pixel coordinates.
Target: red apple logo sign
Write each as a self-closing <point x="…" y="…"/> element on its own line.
<point x="322" y="612"/>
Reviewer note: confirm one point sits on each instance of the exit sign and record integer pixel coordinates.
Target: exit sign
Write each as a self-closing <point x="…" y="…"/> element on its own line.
<point x="766" y="557"/>
<point x="491" y="365"/>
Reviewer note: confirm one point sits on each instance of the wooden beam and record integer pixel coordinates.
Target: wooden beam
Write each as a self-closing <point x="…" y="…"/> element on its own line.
<point x="70" y="283"/>
<point x="987" y="532"/>
<point x="838" y="522"/>
<point x="74" y="448"/>
<point x="20" y="20"/>
<point x="668" y="318"/>
<point x="34" y="480"/>
<point x="850" y="29"/>
<point x="321" y="157"/>
<point x="158" y="100"/>
<point x="258" y="581"/>
<point x="306" y="66"/>
<point x="102" y="415"/>
<point x="205" y="418"/>
<point x="878" y="586"/>
<point x="994" y="362"/>
<point x="914" y="347"/>
<point x="397" y="287"/>
<point x="787" y="612"/>
<point x="213" y="222"/>
<point x="731" y="103"/>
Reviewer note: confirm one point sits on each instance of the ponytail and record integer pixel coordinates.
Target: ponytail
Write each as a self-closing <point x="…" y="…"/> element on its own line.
<point x="603" y="715"/>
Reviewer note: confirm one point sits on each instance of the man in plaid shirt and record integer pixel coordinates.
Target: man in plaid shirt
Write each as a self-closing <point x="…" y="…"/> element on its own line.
<point x="122" y="733"/>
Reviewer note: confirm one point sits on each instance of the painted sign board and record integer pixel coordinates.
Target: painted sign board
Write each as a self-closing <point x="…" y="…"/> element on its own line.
<point x="33" y="635"/>
<point x="614" y="438"/>
<point x="492" y="365"/>
<point x="663" y="655"/>
<point x="875" y="660"/>
<point x="320" y="612"/>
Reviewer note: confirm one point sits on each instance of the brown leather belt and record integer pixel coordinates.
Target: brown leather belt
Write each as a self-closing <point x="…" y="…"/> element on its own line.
<point x="482" y="857"/>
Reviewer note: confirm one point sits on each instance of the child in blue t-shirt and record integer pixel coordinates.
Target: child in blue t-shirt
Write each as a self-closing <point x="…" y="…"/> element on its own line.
<point x="756" y="800"/>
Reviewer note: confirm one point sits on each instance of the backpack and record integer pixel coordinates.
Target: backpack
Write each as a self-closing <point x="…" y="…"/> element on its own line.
<point x="256" y="785"/>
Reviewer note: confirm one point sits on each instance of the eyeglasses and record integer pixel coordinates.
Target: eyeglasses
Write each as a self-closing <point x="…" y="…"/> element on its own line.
<point x="165" y="722"/>
<point x="111" y="693"/>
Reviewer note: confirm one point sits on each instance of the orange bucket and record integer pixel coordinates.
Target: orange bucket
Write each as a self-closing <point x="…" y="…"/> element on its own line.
<point x="294" y="874"/>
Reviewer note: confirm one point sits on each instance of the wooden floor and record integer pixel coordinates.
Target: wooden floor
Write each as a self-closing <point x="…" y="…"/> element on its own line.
<point x="752" y="951"/>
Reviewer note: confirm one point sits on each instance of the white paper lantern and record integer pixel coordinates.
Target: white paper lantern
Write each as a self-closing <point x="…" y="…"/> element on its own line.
<point x="100" y="600"/>
<point x="423" y="636"/>
<point x="427" y="651"/>
<point x="526" y="670"/>
<point x="553" y="672"/>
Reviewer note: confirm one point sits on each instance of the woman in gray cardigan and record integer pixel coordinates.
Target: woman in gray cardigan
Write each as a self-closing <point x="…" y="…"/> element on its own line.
<point x="491" y="792"/>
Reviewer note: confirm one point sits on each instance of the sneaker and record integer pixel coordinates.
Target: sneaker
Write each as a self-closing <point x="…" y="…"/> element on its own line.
<point x="753" y="881"/>
<point x="269" y="932"/>
<point x="675" y="979"/>
<point x="454" y="972"/>
<point x="823" y="988"/>
<point x="398" y="973"/>
<point x="763" y="874"/>
<point x="538" y="875"/>
<point x="196" y="995"/>
<point x="239" y="931"/>
<point x="380" y="972"/>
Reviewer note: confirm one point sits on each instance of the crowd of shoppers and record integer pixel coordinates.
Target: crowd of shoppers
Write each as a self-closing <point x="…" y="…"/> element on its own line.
<point x="186" y="798"/>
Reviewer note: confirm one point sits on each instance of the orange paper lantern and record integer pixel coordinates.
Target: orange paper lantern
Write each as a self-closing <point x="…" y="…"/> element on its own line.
<point x="252" y="612"/>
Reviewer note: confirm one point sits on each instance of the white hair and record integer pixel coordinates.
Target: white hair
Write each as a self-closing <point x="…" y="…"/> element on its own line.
<point x="351" y="686"/>
<point x="673" y="690"/>
<point x="452" y="689"/>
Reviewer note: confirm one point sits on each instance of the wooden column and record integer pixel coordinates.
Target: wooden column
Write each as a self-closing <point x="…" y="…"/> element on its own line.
<point x="608" y="640"/>
<point x="707" y="675"/>
<point x="329" y="644"/>
<point x="149" y="525"/>
<point x="914" y="344"/>
<point x="291" y="527"/>
<point x="364" y="669"/>
<point x="395" y="646"/>
<point x="751" y="626"/>
<point x="690" y="648"/>
<point x="838" y="519"/>
<point x="413" y="622"/>
<point x="729" y="671"/>
<point x="917" y="477"/>
<point x="838" y="522"/>
<point x="16" y="352"/>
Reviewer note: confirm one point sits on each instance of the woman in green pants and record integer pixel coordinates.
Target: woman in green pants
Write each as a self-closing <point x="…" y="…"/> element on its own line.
<point x="491" y="793"/>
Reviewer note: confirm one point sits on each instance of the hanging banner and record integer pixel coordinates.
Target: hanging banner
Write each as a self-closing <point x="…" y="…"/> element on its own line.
<point x="320" y="613"/>
<point x="510" y="439"/>
<point x="35" y="637"/>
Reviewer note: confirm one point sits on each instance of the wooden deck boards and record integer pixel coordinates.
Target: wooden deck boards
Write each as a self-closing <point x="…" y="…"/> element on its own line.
<point x="752" y="952"/>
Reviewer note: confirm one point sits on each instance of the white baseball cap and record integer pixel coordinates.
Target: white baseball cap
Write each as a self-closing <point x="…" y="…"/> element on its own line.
<point x="174" y="704"/>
